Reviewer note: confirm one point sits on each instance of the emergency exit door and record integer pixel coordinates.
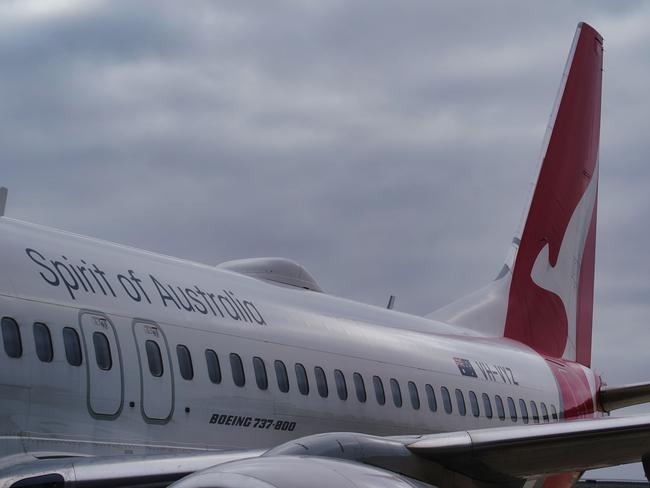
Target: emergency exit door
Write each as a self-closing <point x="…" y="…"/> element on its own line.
<point x="157" y="383"/>
<point x="105" y="392"/>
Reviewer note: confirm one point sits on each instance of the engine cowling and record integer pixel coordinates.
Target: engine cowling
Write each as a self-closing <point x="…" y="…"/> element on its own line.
<point x="295" y="472"/>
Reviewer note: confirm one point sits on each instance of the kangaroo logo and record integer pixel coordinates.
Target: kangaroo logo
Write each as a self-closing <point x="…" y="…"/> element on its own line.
<point x="563" y="278"/>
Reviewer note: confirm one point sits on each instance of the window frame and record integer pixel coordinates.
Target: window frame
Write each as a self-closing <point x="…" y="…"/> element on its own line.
<point x="281" y="376"/>
<point x="446" y="400"/>
<point x="341" y="385"/>
<point x="554" y="414"/>
<point x="43" y="342"/>
<point x="261" y="377"/>
<point x="396" y="393"/>
<point x="359" y="387"/>
<point x="487" y="405"/>
<point x="414" y="394"/>
<point x="237" y="370"/>
<point x="524" y="411"/>
<point x="473" y="403"/>
<point x="150" y="363"/>
<point x="73" y="348"/>
<point x="380" y="392"/>
<point x="11" y="330"/>
<point x="184" y="358"/>
<point x="534" y="411"/>
<point x="501" y="409"/>
<point x="460" y="402"/>
<point x="301" y="379"/>
<point x="104" y="341"/>
<point x="545" y="417"/>
<point x="321" y="382"/>
<point x="512" y="409"/>
<point x="213" y="366"/>
<point x="432" y="401"/>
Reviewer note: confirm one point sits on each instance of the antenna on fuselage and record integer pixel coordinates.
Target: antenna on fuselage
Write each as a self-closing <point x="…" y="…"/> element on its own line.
<point x="3" y="200"/>
<point x="391" y="302"/>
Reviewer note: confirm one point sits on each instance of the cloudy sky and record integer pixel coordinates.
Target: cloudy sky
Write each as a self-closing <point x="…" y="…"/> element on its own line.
<point x="387" y="146"/>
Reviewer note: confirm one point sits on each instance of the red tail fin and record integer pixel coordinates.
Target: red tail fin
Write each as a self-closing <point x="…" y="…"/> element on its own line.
<point x="543" y="296"/>
<point x="551" y="295"/>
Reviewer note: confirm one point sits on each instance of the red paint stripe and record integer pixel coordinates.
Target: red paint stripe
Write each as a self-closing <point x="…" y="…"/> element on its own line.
<point x="563" y="480"/>
<point x="575" y="390"/>
<point x="577" y="401"/>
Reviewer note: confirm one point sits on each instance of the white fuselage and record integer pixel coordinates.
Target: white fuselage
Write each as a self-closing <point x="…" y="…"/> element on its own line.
<point x="131" y="297"/>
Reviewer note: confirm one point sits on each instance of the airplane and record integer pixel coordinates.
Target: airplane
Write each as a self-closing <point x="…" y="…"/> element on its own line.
<point x="122" y="367"/>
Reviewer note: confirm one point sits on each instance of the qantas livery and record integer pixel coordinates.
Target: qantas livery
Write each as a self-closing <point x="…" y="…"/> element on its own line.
<point x="122" y="367"/>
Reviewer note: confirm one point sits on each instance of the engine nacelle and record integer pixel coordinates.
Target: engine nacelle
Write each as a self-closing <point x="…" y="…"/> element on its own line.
<point x="295" y="472"/>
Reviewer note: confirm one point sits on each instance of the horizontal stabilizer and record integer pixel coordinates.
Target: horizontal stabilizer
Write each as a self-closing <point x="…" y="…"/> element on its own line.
<point x="613" y="397"/>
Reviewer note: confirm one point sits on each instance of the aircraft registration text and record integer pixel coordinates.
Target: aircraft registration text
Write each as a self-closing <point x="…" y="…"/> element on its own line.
<point x="489" y="372"/>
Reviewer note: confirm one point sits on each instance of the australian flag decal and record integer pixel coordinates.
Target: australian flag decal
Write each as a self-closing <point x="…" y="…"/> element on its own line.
<point x="465" y="367"/>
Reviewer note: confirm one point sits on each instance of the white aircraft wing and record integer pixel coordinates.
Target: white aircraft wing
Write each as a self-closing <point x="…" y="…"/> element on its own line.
<point x="504" y="456"/>
<point x="58" y="470"/>
<point x="537" y="450"/>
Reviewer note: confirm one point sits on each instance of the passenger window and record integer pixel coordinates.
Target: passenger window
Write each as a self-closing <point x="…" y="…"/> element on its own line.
<point x="260" y="373"/>
<point x="524" y="411"/>
<point x="554" y="413"/>
<point x="301" y="376"/>
<point x="154" y="358"/>
<point x="431" y="398"/>
<point x="359" y="387"/>
<point x="11" y="338"/>
<point x="237" y="367"/>
<point x="535" y="412"/>
<point x="281" y="375"/>
<point x="460" y="400"/>
<point x="341" y="386"/>
<point x="321" y="382"/>
<point x="380" y="395"/>
<point x="446" y="399"/>
<point x="102" y="351"/>
<point x="544" y="412"/>
<point x="487" y="405"/>
<point x="396" y="391"/>
<point x="72" y="346"/>
<point x="43" y="342"/>
<point x="184" y="362"/>
<point x="501" y="412"/>
<point x="513" y="410"/>
<point x="415" y="396"/>
<point x="473" y="402"/>
<point x="214" y="368"/>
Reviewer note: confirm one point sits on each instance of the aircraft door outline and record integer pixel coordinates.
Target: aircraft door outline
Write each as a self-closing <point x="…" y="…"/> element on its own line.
<point x="156" y="390"/>
<point x="105" y="373"/>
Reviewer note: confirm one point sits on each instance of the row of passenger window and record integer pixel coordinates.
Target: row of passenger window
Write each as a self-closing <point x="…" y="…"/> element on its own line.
<point x="322" y="386"/>
<point x="43" y="344"/>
